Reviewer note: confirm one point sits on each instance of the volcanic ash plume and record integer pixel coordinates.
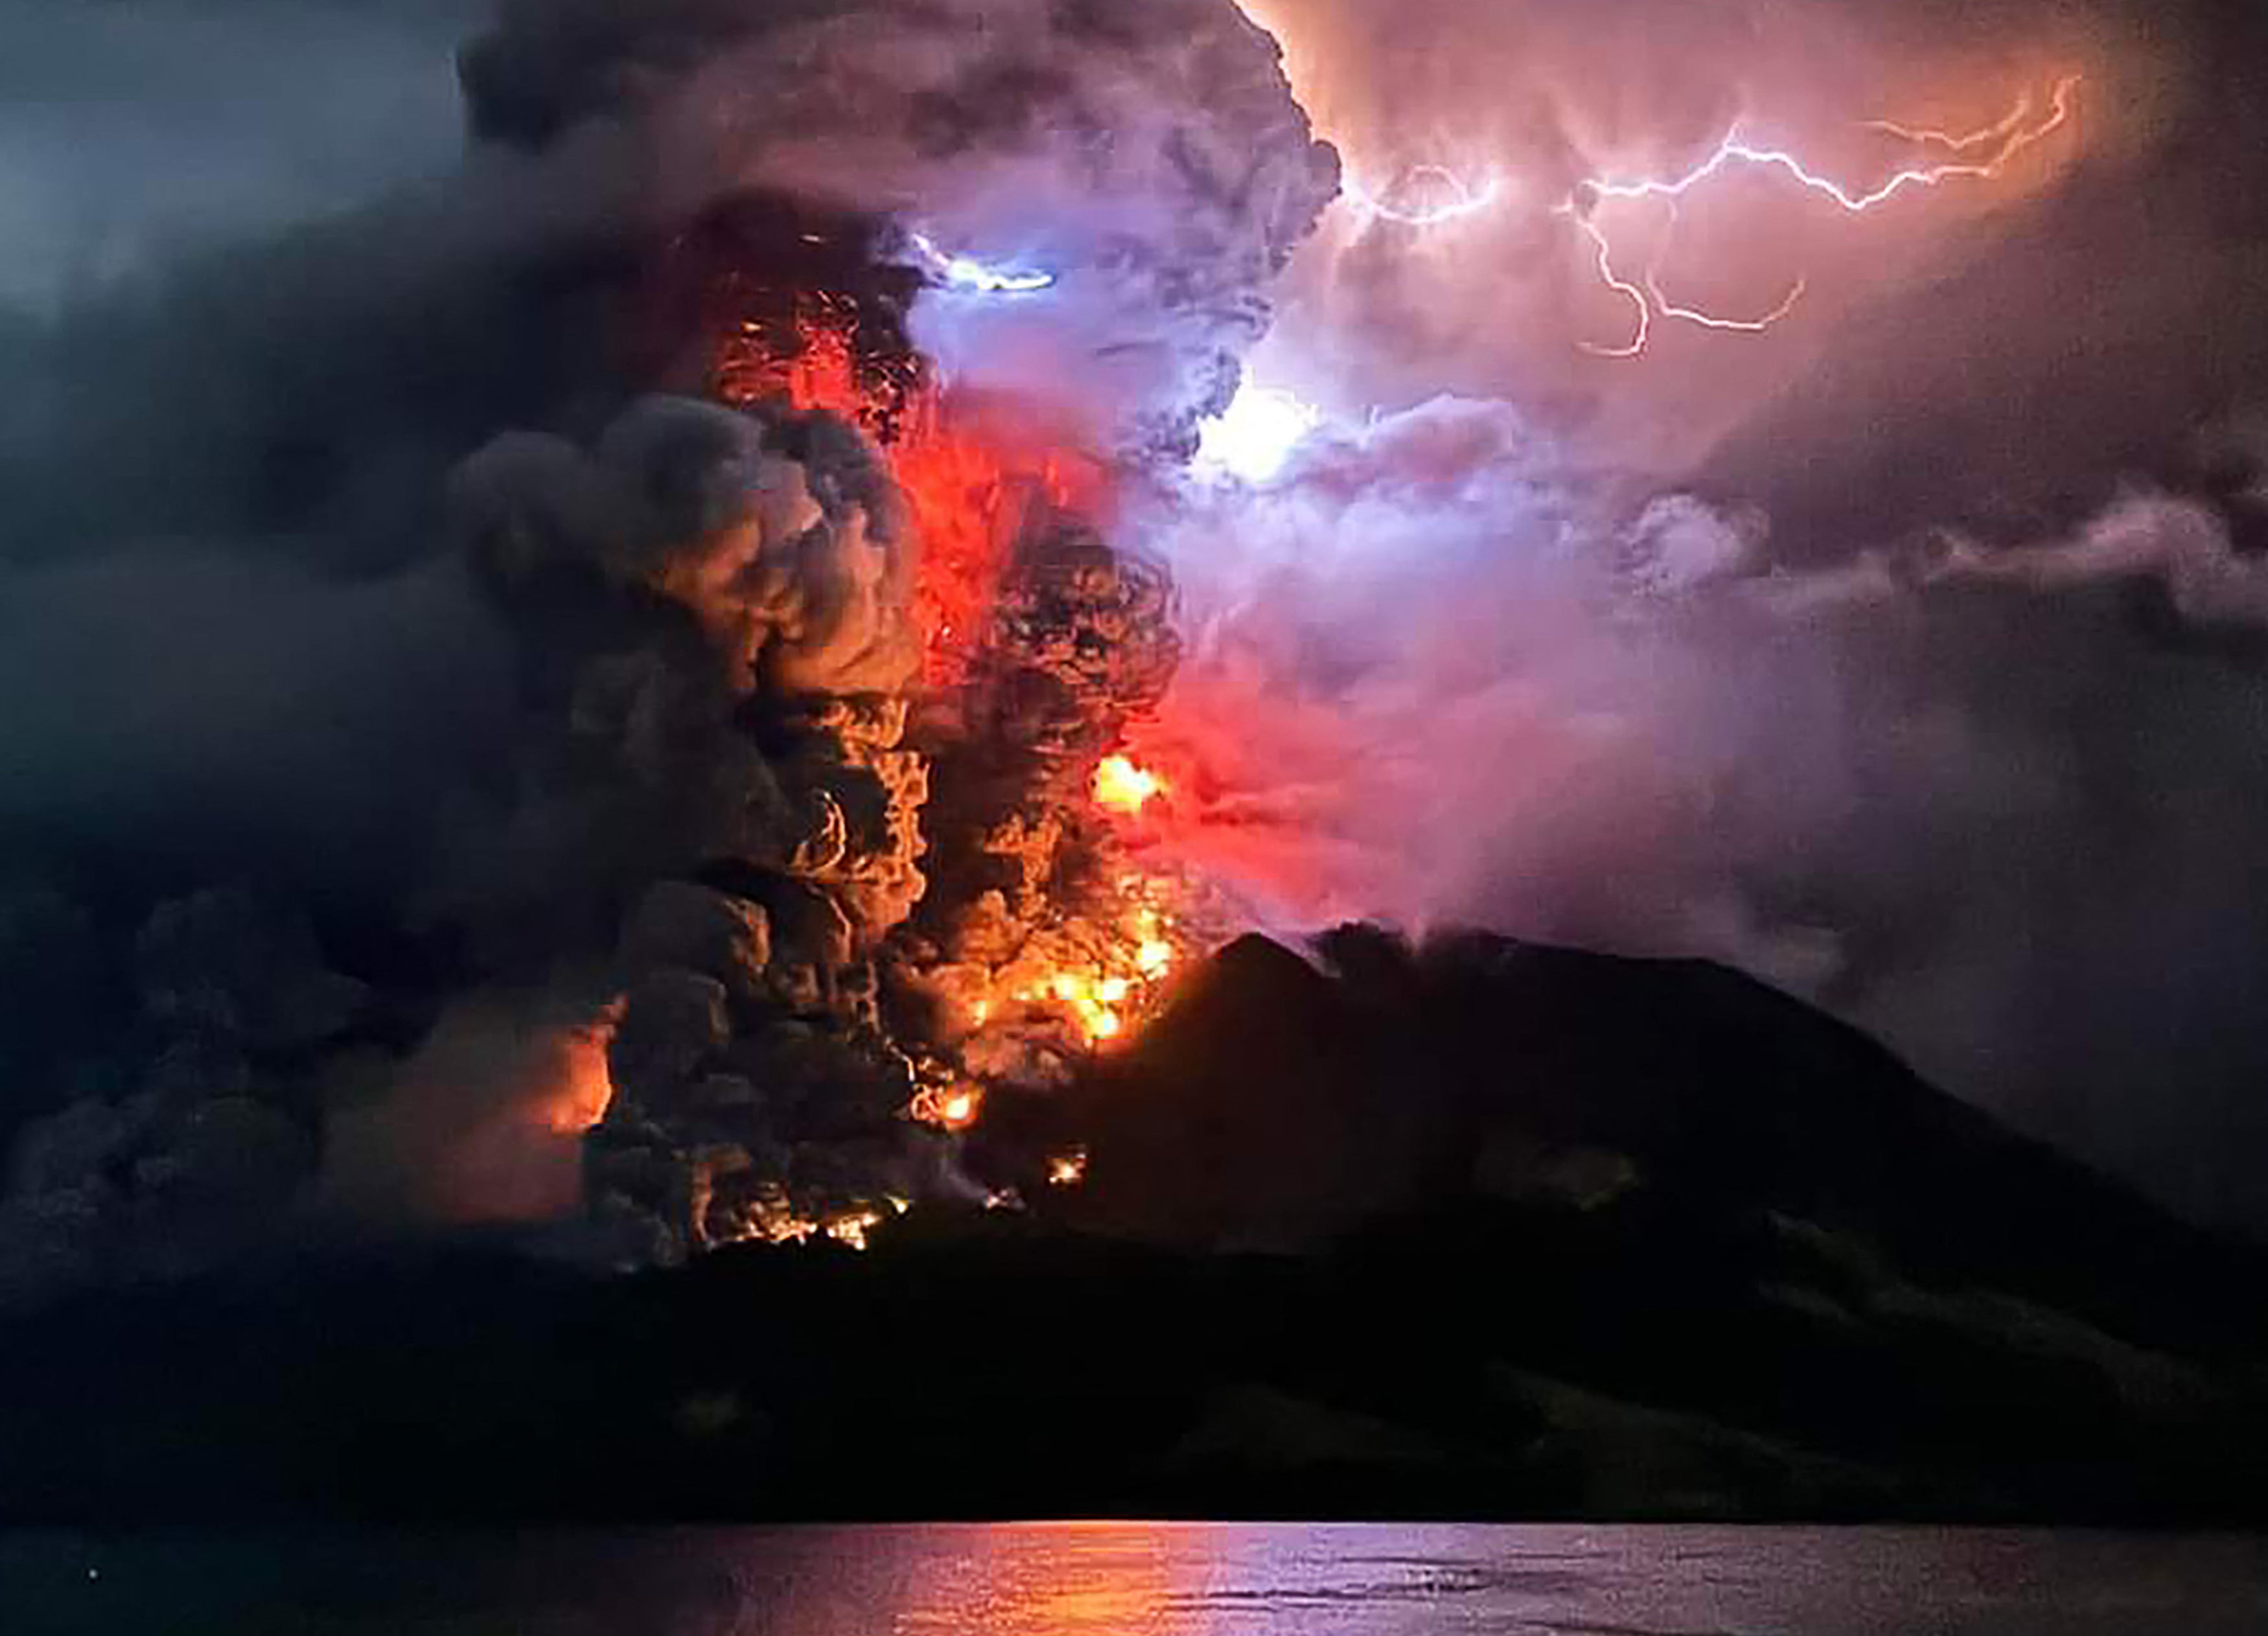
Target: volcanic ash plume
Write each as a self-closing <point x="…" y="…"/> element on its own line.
<point x="484" y="1124"/>
<point x="787" y="361"/>
<point x="723" y="602"/>
<point x="1144" y="162"/>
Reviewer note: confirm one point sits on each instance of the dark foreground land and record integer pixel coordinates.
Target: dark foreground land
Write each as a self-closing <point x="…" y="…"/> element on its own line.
<point x="1491" y="1231"/>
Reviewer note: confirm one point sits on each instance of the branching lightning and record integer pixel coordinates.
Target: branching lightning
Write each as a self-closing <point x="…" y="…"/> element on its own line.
<point x="2006" y="138"/>
<point x="1649" y="300"/>
<point x="1464" y="199"/>
<point x="1976" y="155"/>
<point x="1923" y="137"/>
<point x="2014" y="136"/>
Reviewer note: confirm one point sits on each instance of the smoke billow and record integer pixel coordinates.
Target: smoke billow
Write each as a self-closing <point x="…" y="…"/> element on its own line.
<point x="459" y="777"/>
<point x="1148" y="161"/>
<point x="485" y="1124"/>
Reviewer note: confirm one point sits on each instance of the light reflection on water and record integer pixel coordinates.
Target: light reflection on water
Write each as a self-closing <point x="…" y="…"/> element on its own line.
<point x="1143" y="1579"/>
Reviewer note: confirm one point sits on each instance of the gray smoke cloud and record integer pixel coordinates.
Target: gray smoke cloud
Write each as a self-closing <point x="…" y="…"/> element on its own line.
<point x="1148" y="160"/>
<point x="428" y="736"/>
<point x="1981" y="798"/>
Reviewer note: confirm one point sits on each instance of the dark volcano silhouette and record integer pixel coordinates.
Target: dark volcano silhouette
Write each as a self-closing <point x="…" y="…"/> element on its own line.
<point x="1481" y="1228"/>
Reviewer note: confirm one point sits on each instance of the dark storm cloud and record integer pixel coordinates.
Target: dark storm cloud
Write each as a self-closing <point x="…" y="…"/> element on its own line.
<point x="184" y="707"/>
<point x="129" y="132"/>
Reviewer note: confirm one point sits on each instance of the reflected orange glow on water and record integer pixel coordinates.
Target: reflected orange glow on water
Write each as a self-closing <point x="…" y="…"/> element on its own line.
<point x="1140" y="1579"/>
<point x="1099" y="1578"/>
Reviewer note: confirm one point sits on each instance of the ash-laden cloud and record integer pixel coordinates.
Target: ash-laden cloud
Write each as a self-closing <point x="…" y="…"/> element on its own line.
<point x="646" y="599"/>
<point x="1999" y="351"/>
<point x="1991" y="800"/>
<point x="1145" y="158"/>
<point x="435" y="732"/>
<point x="1908" y="654"/>
<point x="485" y="1124"/>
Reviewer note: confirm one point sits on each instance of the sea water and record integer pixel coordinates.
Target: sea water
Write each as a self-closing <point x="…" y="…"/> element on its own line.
<point x="1139" y="1578"/>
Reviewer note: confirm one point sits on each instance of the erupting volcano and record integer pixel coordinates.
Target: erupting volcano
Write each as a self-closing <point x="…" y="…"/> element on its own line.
<point x="1038" y="935"/>
<point x="914" y="578"/>
<point x="897" y="532"/>
<point x="1143" y="756"/>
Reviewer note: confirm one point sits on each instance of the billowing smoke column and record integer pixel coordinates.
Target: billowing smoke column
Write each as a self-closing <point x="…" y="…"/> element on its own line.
<point x="1144" y="167"/>
<point x="800" y="639"/>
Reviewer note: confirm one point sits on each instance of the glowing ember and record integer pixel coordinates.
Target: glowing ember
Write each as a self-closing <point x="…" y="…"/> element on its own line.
<point x="1122" y="785"/>
<point x="1092" y="1002"/>
<point x="1067" y="1169"/>
<point x="852" y="1229"/>
<point x="771" y="1219"/>
<point x="1107" y="989"/>
<point x="948" y="1107"/>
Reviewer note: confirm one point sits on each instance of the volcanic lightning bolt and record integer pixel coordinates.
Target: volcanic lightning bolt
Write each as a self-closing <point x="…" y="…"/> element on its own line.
<point x="2004" y="139"/>
<point x="966" y="272"/>
<point x="1459" y="198"/>
<point x="1978" y="155"/>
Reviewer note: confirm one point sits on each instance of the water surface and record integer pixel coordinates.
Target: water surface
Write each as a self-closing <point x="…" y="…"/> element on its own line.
<point x="1140" y="1579"/>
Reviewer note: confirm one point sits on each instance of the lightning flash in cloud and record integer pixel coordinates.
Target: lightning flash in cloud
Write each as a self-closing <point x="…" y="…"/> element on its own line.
<point x="1456" y="197"/>
<point x="2000" y="142"/>
<point x="1432" y="196"/>
<point x="966" y="273"/>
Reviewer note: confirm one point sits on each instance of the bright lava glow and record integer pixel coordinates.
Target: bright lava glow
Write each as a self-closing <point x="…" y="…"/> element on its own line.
<point x="948" y="1108"/>
<point x="851" y="1229"/>
<point x="963" y="272"/>
<point x="1255" y="435"/>
<point x="2013" y="132"/>
<point x="1122" y="785"/>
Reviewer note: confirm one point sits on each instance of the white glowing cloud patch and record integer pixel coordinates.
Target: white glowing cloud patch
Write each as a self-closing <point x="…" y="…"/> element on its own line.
<point x="965" y="272"/>
<point x="1254" y="437"/>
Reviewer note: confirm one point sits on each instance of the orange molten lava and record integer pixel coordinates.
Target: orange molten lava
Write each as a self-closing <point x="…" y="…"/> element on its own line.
<point x="1105" y="974"/>
<point x="970" y="493"/>
<point x="971" y="479"/>
<point x="948" y="1107"/>
<point x="1124" y="786"/>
